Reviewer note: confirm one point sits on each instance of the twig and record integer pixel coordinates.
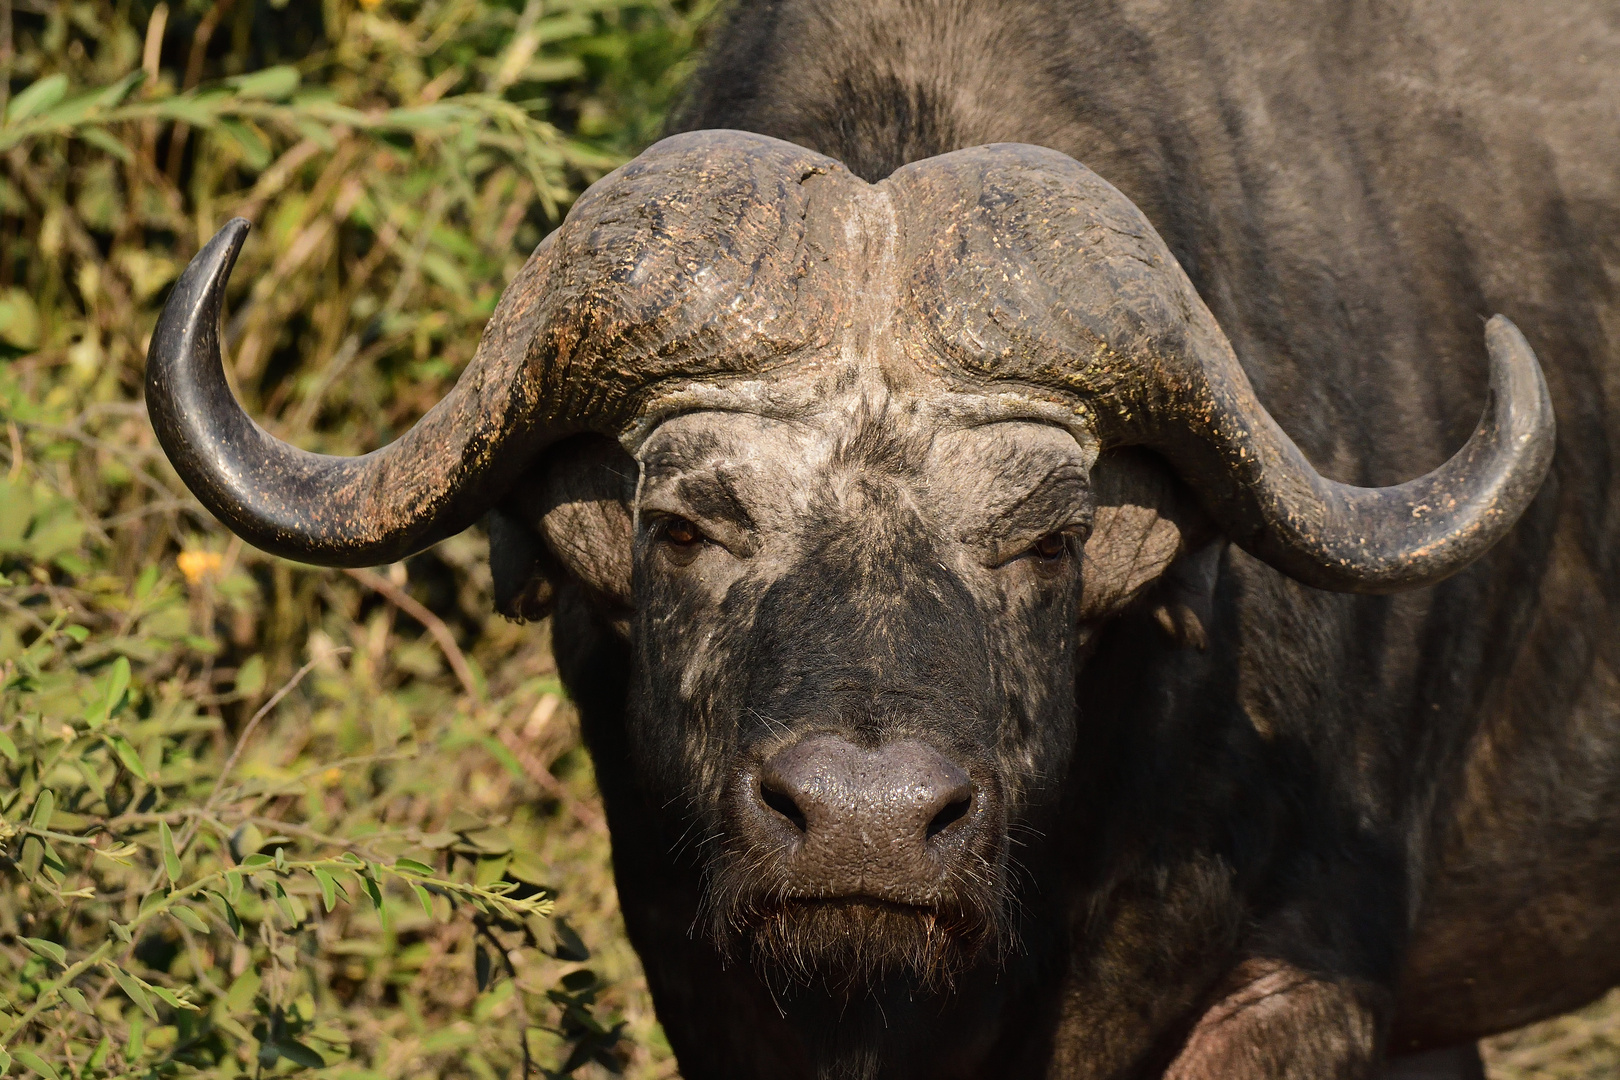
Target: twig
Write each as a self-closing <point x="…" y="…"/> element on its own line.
<point x="121" y="453"/>
<point x="5" y="53"/>
<point x="189" y="833"/>
<point x="431" y="622"/>
<point x="198" y="968"/>
<point x="194" y="66"/>
<point x="152" y="49"/>
<point x="547" y="781"/>
<point x="252" y="725"/>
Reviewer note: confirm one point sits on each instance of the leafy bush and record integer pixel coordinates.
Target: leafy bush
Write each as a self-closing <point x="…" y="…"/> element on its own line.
<point x="257" y="818"/>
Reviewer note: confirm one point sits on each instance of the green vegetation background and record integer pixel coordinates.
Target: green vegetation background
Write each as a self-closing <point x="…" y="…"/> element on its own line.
<point x="257" y="818"/>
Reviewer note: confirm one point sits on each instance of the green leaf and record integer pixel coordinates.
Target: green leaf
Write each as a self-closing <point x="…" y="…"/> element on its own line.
<point x="30" y="1060"/>
<point x="117" y="685"/>
<point x="424" y="897"/>
<point x="171" y="858"/>
<point x="33" y="854"/>
<point x="257" y="859"/>
<point x="121" y="932"/>
<point x="35" y="98"/>
<point x="5" y="1061"/>
<point x="441" y="115"/>
<point x="490" y="869"/>
<point x="50" y="950"/>
<point x="329" y="888"/>
<point x="250" y="676"/>
<point x="98" y="1057"/>
<point x="44" y="807"/>
<point x="284" y="903"/>
<point x="413" y="866"/>
<point x="103" y="140"/>
<point x="299" y="1054"/>
<point x="133" y="990"/>
<point x="55" y="868"/>
<point x="75" y="999"/>
<point x="569" y="944"/>
<point x="374" y="890"/>
<point x="8" y="748"/>
<point x="272" y="83"/>
<point x="190" y="918"/>
<point x="68" y="112"/>
<point x="169" y="997"/>
<point x="20" y="325"/>
<point x="255" y="149"/>
<point x="226" y="911"/>
<point x="136" y="1041"/>
<point x="119" y="90"/>
<point x="242" y="992"/>
<point x="126" y="754"/>
<point x="199" y="111"/>
<point x="500" y="753"/>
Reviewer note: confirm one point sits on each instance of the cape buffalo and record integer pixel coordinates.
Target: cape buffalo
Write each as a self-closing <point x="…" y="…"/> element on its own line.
<point x="980" y="681"/>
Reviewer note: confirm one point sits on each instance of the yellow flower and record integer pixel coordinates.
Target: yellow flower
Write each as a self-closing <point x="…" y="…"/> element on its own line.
<point x="197" y="565"/>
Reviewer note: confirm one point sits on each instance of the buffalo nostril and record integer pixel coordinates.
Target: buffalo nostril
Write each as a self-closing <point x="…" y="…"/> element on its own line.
<point x="780" y="801"/>
<point x="954" y="811"/>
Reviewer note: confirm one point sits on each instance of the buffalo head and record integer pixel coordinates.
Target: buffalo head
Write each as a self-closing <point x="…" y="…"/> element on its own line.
<point x="855" y="471"/>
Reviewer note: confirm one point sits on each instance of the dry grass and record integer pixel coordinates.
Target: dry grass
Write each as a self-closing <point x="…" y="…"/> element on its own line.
<point x="1583" y="1045"/>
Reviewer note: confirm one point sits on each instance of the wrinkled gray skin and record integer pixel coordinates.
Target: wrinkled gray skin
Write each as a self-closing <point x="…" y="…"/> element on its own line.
<point x="1225" y="825"/>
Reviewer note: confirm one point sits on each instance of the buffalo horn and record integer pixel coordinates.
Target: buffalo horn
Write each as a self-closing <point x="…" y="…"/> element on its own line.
<point x="432" y="482"/>
<point x="1045" y="274"/>
<point x="1270" y="500"/>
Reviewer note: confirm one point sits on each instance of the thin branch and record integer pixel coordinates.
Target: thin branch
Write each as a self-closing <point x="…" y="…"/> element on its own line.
<point x="253" y="724"/>
<point x="5" y="53"/>
<point x="547" y="781"/>
<point x="431" y="622"/>
<point x="194" y="67"/>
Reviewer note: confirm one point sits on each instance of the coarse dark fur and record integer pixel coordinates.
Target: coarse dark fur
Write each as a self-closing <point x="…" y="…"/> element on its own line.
<point x="1347" y="824"/>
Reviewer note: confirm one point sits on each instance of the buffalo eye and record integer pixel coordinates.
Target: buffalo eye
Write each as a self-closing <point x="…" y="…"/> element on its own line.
<point x="680" y="533"/>
<point x="1051" y="547"/>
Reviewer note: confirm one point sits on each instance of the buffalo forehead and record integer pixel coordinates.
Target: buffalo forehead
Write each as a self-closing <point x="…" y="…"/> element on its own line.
<point x="972" y="483"/>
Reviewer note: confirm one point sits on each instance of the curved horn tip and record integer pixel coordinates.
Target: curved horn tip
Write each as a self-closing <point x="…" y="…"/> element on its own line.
<point x="1520" y="386"/>
<point x="1512" y="358"/>
<point x="1385" y="540"/>
<point x="196" y="297"/>
<point x="211" y="266"/>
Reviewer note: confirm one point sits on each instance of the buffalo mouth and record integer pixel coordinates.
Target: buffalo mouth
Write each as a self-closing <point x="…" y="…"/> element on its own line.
<point x="850" y="865"/>
<point x="849" y="944"/>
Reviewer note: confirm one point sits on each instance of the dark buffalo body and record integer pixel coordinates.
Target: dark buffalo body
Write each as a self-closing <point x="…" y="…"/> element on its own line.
<point x="980" y="682"/>
<point x="1410" y="803"/>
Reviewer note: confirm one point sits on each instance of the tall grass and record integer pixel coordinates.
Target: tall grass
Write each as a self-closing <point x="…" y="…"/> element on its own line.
<point x="257" y="818"/>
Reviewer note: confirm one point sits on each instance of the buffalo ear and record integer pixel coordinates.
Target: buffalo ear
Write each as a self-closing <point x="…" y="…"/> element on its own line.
<point x="1149" y="535"/>
<point x="567" y="520"/>
<point x="518" y="564"/>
